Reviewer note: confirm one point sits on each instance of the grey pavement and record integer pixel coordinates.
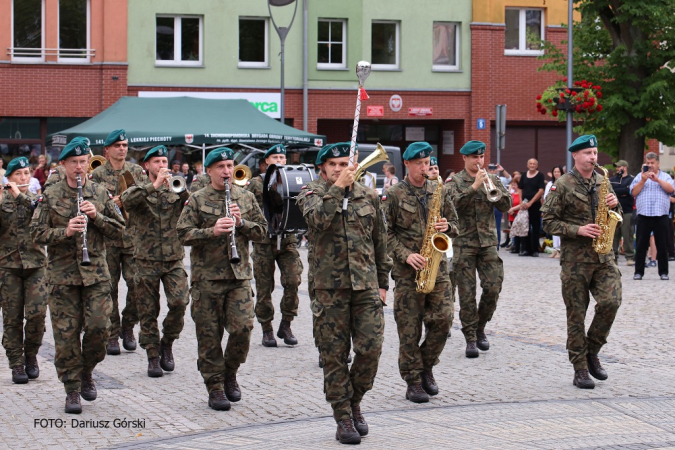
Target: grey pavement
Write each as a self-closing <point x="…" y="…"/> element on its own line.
<point x="517" y="395"/>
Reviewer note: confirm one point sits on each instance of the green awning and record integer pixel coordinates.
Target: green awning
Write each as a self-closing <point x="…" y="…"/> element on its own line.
<point x="187" y="120"/>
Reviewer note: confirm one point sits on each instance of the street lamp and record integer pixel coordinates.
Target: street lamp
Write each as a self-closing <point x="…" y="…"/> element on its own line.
<point x="282" y="32"/>
<point x="570" y="74"/>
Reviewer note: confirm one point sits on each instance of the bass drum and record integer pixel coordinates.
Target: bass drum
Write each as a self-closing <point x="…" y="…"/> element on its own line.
<point x="281" y="187"/>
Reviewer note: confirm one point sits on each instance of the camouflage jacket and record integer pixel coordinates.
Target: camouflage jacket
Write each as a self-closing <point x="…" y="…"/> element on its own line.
<point x="199" y="182"/>
<point x="56" y="207"/>
<point x="255" y="186"/>
<point x="155" y="214"/>
<point x="17" y="249"/>
<point x="350" y="252"/>
<point x="109" y="178"/>
<point x="210" y="255"/>
<point x="310" y="187"/>
<point x="54" y="177"/>
<point x="568" y="207"/>
<point x="475" y="212"/>
<point x="407" y="223"/>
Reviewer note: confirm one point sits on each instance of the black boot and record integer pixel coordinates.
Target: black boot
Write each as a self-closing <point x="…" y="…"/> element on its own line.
<point x="471" y="349"/>
<point x="321" y="362"/>
<point x="286" y="334"/>
<point x="232" y="390"/>
<point x="346" y="433"/>
<point x="594" y="367"/>
<point x="429" y="383"/>
<point x="359" y="421"/>
<point x="416" y="394"/>
<point x="582" y="380"/>
<point x="481" y="341"/>
<point x="154" y="370"/>
<point x="32" y="368"/>
<point x="88" y="389"/>
<point x="268" y="337"/>
<point x="113" y="347"/>
<point x="166" y="356"/>
<point x="19" y="375"/>
<point x="73" y="405"/>
<point x="218" y="401"/>
<point x="128" y="339"/>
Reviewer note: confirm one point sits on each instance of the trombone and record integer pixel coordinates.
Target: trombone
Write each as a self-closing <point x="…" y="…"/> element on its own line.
<point x="95" y="162"/>
<point x="493" y="194"/>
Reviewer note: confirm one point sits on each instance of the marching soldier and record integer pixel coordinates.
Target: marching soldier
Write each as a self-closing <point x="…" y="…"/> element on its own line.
<point x="433" y="171"/>
<point x="475" y="247"/>
<point x="407" y="206"/>
<point x="569" y="212"/>
<point x="120" y="250"/>
<point x="221" y="290"/>
<point x="200" y="182"/>
<point x="23" y="292"/>
<point x="350" y="273"/>
<point x="286" y="255"/>
<point x="79" y="296"/>
<point x="158" y="256"/>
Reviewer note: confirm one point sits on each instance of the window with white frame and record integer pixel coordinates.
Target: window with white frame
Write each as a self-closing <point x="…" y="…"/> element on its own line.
<point x="28" y="30"/>
<point x="446" y="46"/>
<point x="253" y="42"/>
<point x="524" y="31"/>
<point x="74" y="25"/>
<point x="385" y="45"/>
<point x="332" y="44"/>
<point x="179" y="40"/>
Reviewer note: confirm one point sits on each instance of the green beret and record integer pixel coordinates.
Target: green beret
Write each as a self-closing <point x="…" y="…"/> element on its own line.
<point x="217" y="155"/>
<point x="473" y="148"/>
<point x="160" y="150"/>
<point x="339" y="150"/>
<point x="583" y="142"/>
<point x="17" y="163"/>
<point x="278" y="149"/>
<point x="117" y="135"/>
<point x="417" y="150"/>
<point x="78" y="146"/>
<point x="433" y="161"/>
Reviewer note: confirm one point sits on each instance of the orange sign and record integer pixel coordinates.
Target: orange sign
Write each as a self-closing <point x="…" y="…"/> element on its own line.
<point x="375" y="111"/>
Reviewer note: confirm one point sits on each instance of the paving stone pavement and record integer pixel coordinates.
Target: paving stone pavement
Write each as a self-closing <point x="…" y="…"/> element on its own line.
<point x="517" y="395"/>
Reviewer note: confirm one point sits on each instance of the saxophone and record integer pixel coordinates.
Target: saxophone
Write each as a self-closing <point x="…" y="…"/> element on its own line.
<point x="435" y="245"/>
<point x="605" y="218"/>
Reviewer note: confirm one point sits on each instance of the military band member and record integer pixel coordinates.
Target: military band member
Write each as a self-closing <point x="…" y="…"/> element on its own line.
<point x="55" y="175"/>
<point x="79" y="296"/>
<point x="350" y="279"/>
<point x="200" y="182"/>
<point x="120" y="251"/>
<point x="475" y="248"/>
<point x="433" y="171"/>
<point x="158" y="256"/>
<point x="221" y="290"/>
<point x="569" y="212"/>
<point x="407" y="207"/>
<point x="23" y="292"/>
<point x="286" y="256"/>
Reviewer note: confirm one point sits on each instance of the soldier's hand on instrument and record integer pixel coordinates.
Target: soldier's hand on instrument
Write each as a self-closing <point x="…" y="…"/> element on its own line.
<point x="89" y="209"/>
<point x="591" y="230"/>
<point x="442" y="225"/>
<point x="236" y="213"/>
<point x="417" y="261"/>
<point x="76" y="224"/>
<point x="117" y="201"/>
<point x="346" y="177"/>
<point x="383" y="296"/>
<point x="612" y="201"/>
<point x="478" y="182"/>
<point x="222" y="226"/>
<point x="13" y="189"/>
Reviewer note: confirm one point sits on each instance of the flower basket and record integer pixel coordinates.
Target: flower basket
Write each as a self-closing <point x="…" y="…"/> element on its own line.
<point x="583" y="100"/>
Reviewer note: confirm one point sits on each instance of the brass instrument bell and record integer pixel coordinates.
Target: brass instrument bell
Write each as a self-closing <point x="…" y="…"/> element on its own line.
<point x="241" y="174"/>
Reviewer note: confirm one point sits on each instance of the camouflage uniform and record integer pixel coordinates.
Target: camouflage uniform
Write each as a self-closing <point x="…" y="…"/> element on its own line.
<point x="349" y="264"/>
<point x="120" y="251"/>
<point x="568" y="207"/>
<point x="158" y="256"/>
<point x="54" y="176"/>
<point x="475" y="248"/>
<point x="287" y="257"/>
<point x="79" y="296"/>
<point x="221" y="292"/>
<point x="23" y="292"/>
<point x="200" y="182"/>
<point x="406" y="228"/>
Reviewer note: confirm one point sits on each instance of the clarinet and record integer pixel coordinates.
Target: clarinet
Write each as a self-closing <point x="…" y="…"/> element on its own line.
<point x="235" y="259"/>
<point x="80" y="199"/>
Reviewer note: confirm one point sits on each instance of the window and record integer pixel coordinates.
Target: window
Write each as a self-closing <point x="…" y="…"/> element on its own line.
<point x="28" y="30"/>
<point x="385" y="45"/>
<point x="179" y="41"/>
<point x="74" y="30"/>
<point x="253" y="42"/>
<point x="524" y="31"/>
<point x="332" y="44"/>
<point x="446" y="46"/>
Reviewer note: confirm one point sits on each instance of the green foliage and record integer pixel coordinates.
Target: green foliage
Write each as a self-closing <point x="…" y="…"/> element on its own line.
<point x="625" y="46"/>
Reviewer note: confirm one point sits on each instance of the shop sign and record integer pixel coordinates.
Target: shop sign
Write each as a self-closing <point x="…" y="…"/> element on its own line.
<point x="375" y="111"/>
<point x="420" y="111"/>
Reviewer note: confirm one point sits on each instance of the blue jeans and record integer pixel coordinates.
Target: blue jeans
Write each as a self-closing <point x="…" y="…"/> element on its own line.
<point x="498" y="221"/>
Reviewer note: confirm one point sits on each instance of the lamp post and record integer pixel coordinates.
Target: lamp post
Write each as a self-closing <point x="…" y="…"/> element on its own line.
<point x="570" y="74"/>
<point x="282" y="32"/>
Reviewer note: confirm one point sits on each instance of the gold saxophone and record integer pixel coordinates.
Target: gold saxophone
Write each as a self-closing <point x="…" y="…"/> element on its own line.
<point x="435" y="244"/>
<point x="605" y="218"/>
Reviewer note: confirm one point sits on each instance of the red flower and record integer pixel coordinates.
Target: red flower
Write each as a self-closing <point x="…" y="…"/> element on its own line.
<point x="562" y="95"/>
<point x="599" y="108"/>
<point x="598" y="94"/>
<point x="567" y="91"/>
<point x="585" y="94"/>
<point x="597" y="88"/>
<point x="555" y="113"/>
<point x="550" y="100"/>
<point x="538" y="97"/>
<point x="577" y="83"/>
<point x="591" y="101"/>
<point x="543" y="111"/>
<point x="578" y="108"/>
<point x="585" y="105"/>
<point x="565" y="79"/>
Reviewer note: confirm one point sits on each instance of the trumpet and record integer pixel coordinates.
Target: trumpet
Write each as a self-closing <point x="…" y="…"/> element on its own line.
<point x="177" y="184"/>
<point x="242" y="173"/>
<point x="493" y="194"/>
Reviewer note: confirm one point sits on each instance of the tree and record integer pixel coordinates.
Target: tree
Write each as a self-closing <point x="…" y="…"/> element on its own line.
<point x="628" y="47"/>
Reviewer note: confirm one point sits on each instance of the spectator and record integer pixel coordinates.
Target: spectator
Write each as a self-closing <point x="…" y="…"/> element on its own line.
<point x="515" y="207"/>
<point x="652" y="189"/>
<point x="187" y="174"/>
<point x="2" y="171"/>
<point x="175" y="168"/>
<point x="34" y="185"/>
<point x="199" y="168"/>
<point x="495" y="169"/>
<point x="671" y="243"/>
<point x="390" y="176"/>
<point x="41" y="171"/>
<point x="621" y="184"/>
<point x="531" y="186"/>
<point x="556" y="173"/>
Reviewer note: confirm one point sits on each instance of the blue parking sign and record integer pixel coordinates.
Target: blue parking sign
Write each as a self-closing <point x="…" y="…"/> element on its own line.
<point x="480" y="124"/>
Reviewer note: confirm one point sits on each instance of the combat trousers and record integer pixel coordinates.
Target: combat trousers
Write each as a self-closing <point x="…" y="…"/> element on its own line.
<point x="217" y="306"/>
<point x="413" y="309"/>
<point x="343" y="317"/>
<point x="174" y="278"/>
<point x="23" y="295"/>
<point x="465" y="262"/>
<point x="604" y="282"/>
<point x="625" y="230"/>
<point x="74" y="309"/>
<point x="290" y="266"/>
<point x="120" y="263"/>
